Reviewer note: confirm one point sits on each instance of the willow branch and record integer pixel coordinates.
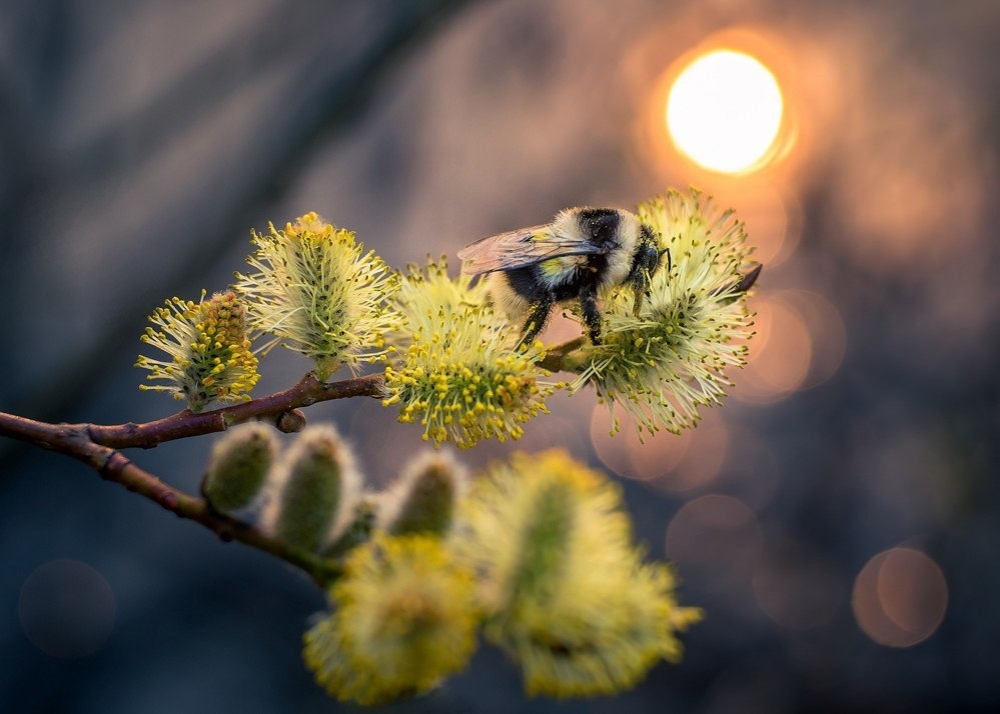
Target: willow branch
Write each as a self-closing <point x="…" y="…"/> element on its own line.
<point x="96" y="445"/>
<point x="74" y="440"/>
<point x="556" y="354"/>
<point x="186" y="423"/>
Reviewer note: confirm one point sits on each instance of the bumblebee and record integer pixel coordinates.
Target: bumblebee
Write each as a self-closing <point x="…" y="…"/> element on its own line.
<point x="582" y="252"/>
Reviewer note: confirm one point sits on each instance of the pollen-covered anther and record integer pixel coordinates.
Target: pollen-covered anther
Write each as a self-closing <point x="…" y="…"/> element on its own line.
<point x="404" y="618"/>
<point x="671" y="358"/>
<point x="460" y="374"/>
<point x="316" y="291"/>
<point x="565" y="591"/>
<point x="209" y="350"/>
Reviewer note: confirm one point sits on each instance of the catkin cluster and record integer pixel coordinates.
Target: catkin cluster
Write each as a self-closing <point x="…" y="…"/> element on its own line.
<point x="537" y="553"/>
<point x="453" y="364"/>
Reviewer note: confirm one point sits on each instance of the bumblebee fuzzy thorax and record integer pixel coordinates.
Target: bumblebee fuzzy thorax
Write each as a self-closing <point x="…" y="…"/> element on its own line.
<point x="616" y="231"/>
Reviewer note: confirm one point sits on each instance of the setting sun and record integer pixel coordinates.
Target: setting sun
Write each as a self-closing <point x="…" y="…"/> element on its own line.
<point x="724" y="111"/>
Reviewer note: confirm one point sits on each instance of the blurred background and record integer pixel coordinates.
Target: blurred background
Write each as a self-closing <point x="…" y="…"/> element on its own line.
<point x="838" y="518"/>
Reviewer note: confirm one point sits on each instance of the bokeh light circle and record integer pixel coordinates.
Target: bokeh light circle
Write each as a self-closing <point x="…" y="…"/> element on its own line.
<point x="724" y="111"/>
<point x="716" y="531"/>
<point x="646" y="457"/>
<point x="900" y="597"/>
<point x="67" y="609"/>
<point x="780" y="353"/>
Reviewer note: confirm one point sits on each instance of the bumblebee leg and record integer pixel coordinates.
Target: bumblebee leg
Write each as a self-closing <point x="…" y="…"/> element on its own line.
<point x="537" y="317"/>
<point x="641" y="290"/>
<point x="642" y="286"/>
<point x="591" y="315"/>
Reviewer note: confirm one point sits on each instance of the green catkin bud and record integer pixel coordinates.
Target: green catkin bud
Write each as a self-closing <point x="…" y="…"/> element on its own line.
<point x="238" y="467"/>
<point x="423" y="499"/>
<point x="316" y="490"/>
<point x="359" y="531"/>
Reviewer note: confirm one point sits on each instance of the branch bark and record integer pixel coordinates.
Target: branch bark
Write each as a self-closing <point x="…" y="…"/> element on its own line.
<point x="97" y="446"/>
<point x="185" y="423"/>
<point x="555" y="355"/>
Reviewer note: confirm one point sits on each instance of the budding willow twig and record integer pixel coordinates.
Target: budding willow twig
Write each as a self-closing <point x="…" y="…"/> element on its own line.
<point x="96" y="444"/>
<point x="556" y="354"/>
<point x="73" y="440"/>
<point x="185" y="423"/>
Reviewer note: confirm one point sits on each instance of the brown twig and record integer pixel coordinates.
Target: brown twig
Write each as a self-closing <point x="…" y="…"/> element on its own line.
<point x="96" y="445"/>
<point x="73" y="440"/>
<point x="554" y="355"/>
<point x="184" y="424"/>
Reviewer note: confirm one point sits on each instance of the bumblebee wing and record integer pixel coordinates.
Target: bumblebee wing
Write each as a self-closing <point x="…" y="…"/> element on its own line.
<point x="516" y="249"/>
<point x="502" y="251"/>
